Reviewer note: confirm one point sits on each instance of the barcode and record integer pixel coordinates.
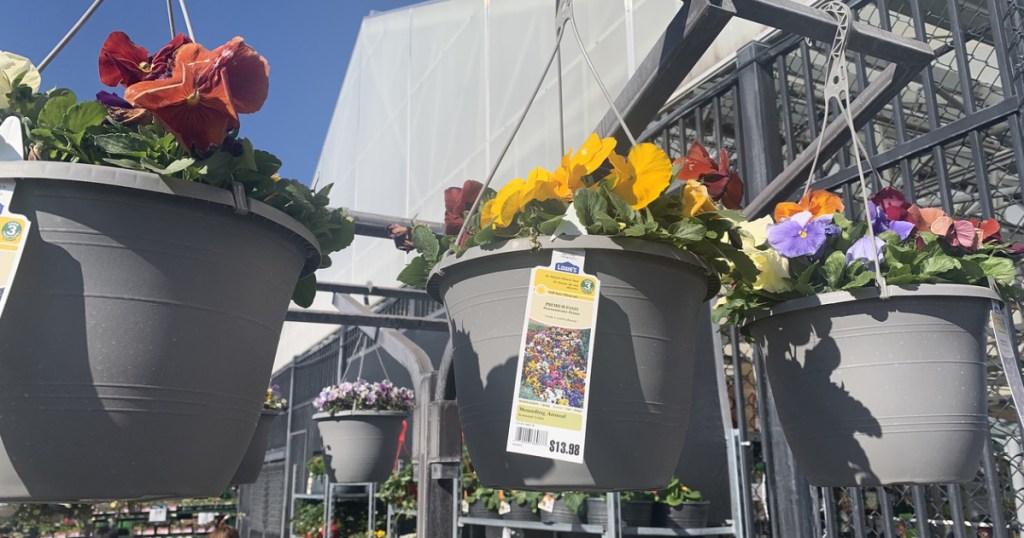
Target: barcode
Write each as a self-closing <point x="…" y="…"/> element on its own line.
<point x="531" y="436"/>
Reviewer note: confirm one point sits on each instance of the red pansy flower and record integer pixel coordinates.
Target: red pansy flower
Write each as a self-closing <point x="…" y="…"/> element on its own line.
<point x="123" y="62"/>
<point x="457" y="202"/>
<point x="722" y="185"/>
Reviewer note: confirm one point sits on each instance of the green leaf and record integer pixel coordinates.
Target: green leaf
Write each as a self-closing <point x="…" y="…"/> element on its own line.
<point x="80" y="117"/>
<point x="621" y="208"/>
<point x="835" y="267"/>
<point x="939" y="264"/>
<point x="1001" y="269"/>
<point x="549" y="226"/>
<point x="636" y="230"/>
<point x="173" y="168"/>
<point x="860" y="280"/>
<point x="415" y="274"/>
<point x="590" y="206"/>
<point x="426" y="242"/>
<point x="341" y="237"/>
<point x="746" y="268"/>
<point x="247" y="160"/>
<point x="305" y="291"/>
<point x="57" y="104"/>
<point x="122" y="144"/>
<point x="266" y="163"/>
<point x="125" y="163"/>
<point x="688" y="230"/>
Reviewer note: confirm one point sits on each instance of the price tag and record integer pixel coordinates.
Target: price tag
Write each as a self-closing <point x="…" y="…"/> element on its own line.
<point x="465" y="506"/>
<point x="504" y="508"/>
<point x="547" y="502"/>
<point x="157" y="514"/>
<point x="205" y="518"/>
<point x="549" y="405"/>
<point x="1007" y="353"/>
<point x="13" y="227"/>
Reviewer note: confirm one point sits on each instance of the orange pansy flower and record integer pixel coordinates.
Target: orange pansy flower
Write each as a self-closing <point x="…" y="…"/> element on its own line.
<point x="819" y="203"/>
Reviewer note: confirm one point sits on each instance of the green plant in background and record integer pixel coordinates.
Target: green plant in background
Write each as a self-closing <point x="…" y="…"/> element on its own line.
<point x="33" y="520"/>
<point x="675" y="494"/>
<point x="399" y="490"/>
<point x="640" y="495"/>
<point x="308" y="519"/>
<point x="316" y="467"/>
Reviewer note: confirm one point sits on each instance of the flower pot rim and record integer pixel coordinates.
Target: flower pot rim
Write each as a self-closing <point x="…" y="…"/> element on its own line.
<point x="872" y="293"/>
<point x="589" y="242"/>
<point x="146" y="181"/>
<point x="272" y="412"/>
<point x="682" y="503"/>
<point x="325" y="415"/>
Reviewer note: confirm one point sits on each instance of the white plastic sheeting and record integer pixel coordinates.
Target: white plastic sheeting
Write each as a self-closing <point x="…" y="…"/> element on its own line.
<point x="432" y="92"/>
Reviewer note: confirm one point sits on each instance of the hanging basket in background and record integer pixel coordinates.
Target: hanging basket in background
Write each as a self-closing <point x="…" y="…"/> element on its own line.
<point x="362" y="425"/>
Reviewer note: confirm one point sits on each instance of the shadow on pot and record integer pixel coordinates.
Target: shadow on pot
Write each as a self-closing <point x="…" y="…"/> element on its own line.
<point x="822" y="418"/>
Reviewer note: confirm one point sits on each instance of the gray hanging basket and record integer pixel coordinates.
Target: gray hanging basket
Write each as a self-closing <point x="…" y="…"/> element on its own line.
<point x="639" y="403"/>
<point x="874" y="392"/>
<point x="360" y="446"/>
<point x="252" y="462"/>
<point x="139" y="334"/>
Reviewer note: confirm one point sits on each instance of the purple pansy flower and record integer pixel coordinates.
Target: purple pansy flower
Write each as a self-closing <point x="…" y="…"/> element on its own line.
<point x="861" y="250"/>
<point x="111" y="99"/>
<point x="880" y="222"/>
<point x="799" y="235"/>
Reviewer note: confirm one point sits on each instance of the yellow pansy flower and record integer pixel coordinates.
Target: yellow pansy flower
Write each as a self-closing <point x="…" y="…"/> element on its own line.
<point x="540" y="186"/>
<point x="641" y="177"/>
<point x="755" y="231"/>
<point x="774" y="270"/>
<point x="569" y="176"/>
<point x="502" y="209"/>
<point x="696" y="199"/>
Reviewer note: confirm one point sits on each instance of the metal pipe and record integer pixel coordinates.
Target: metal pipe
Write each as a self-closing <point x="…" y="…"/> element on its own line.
<point x="170" y="19"/>
<point x="188" y="20"/>
<point x="67" y="37"/>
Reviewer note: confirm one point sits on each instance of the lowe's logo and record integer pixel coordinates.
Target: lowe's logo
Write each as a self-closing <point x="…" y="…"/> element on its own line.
<point x="567" y="267"/>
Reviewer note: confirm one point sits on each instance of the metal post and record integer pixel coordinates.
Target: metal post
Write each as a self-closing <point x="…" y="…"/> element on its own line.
<point x="789" y="501"/>
<point x="760" y="143"/>
<point x="995" y="497"/>
<point x="288" y="454"/>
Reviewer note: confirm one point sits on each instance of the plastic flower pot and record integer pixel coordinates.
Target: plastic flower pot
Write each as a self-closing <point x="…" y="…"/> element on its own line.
<point x="639" y="403"/>
<point x="478" y="510"/>
<point x="560" y="513"/>
<point x="360" y="446"/>
<point x="687" y="515"/>
<point x="861" y="383"/>
<point x="144" y="318"/>
<point x="521" y="512"/>
<point x="252" y="462"/>
<point x="634" y="513"/>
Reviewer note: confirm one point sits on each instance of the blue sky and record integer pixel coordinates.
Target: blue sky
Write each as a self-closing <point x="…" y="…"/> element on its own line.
<point x="308" y="44"/>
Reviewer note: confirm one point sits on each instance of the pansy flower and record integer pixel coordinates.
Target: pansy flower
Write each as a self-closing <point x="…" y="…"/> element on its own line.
<point x="861" y="250"/>
<point x="696" y="199"/>
<point x="818" y="203"/>
<point x="799" y="235"/>
<point x="893" y="204"/>
<point x="206" y="91"/>
<point x="123" y="62"/>
<point x="722" y="184"/>
<point x="591" y="155"/>
<point x="881" y="222"/>
<point x="457" y="201"/>
<point x="642" y="176"/>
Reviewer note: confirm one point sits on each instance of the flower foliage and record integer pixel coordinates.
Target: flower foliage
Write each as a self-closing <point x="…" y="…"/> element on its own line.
<point x="399" y="490"/>
<point x="812" y="248"/>
<point x="675" y="494"/>
<point x="179" y="119"/>
<point x="274" y="399"/>
<point x="363" y="395"/>
<point x="597" y="191"/>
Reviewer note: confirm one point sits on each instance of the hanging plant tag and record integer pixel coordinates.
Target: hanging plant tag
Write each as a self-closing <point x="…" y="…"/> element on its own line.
<point x="549" y="405"/>
<point x="547" y="503"/>
<point x="1007" y="353"/>
<point x="504" y="508"/>
<point x="157" y="514"/>
<point x="13" y="227"/>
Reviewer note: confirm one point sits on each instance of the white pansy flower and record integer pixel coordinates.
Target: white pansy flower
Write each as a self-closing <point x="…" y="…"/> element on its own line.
<point x="755" y="232"/>
<point x="11" y="66"/>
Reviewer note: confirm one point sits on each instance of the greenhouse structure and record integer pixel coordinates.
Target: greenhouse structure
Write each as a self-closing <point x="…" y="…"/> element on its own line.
<point x="433" y="91"/>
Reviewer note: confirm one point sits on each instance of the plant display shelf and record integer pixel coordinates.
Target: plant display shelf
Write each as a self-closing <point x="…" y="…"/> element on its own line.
<point x="592" y="529"/>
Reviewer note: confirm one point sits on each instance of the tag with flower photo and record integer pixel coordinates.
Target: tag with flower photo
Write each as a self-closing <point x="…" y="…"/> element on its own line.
<point x="504" y="508"/>
<point x="547" y="503"/>
<point x="549" y="402"/>
<point x="465" y="506"/>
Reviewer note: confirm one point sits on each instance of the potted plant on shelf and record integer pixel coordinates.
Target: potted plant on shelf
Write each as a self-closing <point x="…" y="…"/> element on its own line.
<point x="660" y="249"/>
<point x="162" y="255"/>
<point x="678" y="507"/>
<point x="399" y="491"/>
<point x="863" y="374"/>
<point x="635" y="509"/>
<point x="361" y="424"/>
<point x="315" y="471"/>
<point x="274" y="405"/>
